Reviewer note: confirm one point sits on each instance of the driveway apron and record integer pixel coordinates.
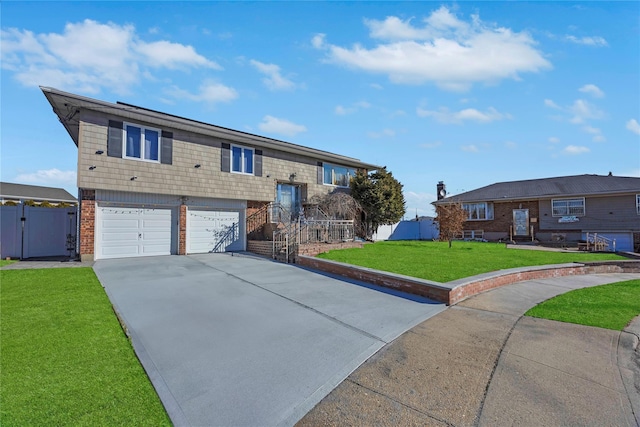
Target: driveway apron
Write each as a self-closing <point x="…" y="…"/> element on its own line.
<point x="237" y="340"/>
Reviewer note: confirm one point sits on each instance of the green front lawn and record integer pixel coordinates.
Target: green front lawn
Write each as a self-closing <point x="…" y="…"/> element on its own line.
<point x="436" y="261"/>
<point x="65" y="359"/>
<point x="610" y="306"/>
<point x="4" y="262"/>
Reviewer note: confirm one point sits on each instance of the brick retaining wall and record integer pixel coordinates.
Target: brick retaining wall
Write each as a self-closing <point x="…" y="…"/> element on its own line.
<point x="459" y="290"/>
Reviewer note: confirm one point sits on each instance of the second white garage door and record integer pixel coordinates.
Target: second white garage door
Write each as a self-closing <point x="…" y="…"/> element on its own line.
<point x="123" y="232"/>
<point x="213" y="231"/>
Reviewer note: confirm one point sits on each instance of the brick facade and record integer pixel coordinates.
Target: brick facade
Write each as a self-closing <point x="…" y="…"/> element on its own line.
<point x="182" y="230"/>
<point x="87" y="224"/>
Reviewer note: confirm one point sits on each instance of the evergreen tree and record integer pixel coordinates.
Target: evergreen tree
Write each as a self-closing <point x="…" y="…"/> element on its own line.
<point x="381" y="198"/>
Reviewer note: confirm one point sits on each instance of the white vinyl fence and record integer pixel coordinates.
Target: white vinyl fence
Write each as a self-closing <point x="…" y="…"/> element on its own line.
<point x="32" y="231"/>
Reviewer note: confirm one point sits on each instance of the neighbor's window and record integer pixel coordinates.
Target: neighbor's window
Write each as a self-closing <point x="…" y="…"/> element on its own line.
<point x="337" y="175"/>
<point x="241" y="160"/>
<point x="141" y="143"/>
<point x="638" y="203"/>
<point x="568" y="207"/>
<point x="478" y="211"/>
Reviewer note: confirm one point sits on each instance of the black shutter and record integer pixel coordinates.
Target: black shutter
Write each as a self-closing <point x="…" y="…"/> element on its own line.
<point x="320" y="173"/>
<point x="225" y="158"/>
<point x="114" y="139"/>
<point x="166" y="150"/>
<point x="257" y="163"/>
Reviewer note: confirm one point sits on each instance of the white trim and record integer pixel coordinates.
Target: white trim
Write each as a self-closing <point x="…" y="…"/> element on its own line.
<point x="142" y="142"/>
<point x="242" y="150"/>
<point x="584" y="207"/>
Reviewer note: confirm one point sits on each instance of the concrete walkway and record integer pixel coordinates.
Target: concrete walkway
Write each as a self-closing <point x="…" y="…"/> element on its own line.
<point x="239" y="341"/>
<point x="482" y="363"/>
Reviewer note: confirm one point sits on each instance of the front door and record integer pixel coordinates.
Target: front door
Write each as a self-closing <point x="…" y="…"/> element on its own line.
<point x="521" y="222"/>
<point x="288" y="196"/>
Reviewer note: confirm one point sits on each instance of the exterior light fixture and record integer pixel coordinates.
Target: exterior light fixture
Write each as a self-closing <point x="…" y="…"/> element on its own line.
<point x="92" y="167"/>
<point x="99" y="152"/>
<point x="197" y="166"/>
<point x="133" y="178"/>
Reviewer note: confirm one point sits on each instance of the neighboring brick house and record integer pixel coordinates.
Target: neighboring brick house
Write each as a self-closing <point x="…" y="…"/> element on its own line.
<point x="152" y="183"/>
<point x="555" y="209"/>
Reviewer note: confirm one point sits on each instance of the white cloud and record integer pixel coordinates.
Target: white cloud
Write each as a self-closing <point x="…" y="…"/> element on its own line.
<point x="510" y="145"/>
<point x="273" y="80"/>
<point x="593" y="90"/>
<point x="554" y="140"/>
<point x="580" y="110"/>
<point x="419" y="203"/>
<point x="343" y="111"/>
<point x="318" y="41"/>
<point x="210" y="92"/>
<point x="470" y="148"/>
<point x="50" y="177"/>
<point x="597" y="133"/>
<point x="575" y="149"/>
<point x="431" y="144"/>
<point x="89" y="56"/>
<point x="588" y="41"/>
<point x="583" y="110"/>
<point x="376" y="86"/>
<point x="549" y="103"/>
<point x="275" y="125"/>
<point x="443" y="49"/>
<point x="443" y="115"/>
<point x="385" y="133"/>
<point x="633" y="126"/>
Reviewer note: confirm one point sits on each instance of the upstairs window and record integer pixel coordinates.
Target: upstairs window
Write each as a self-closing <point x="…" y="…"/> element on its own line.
<point x="141" y="143"/>
<point x="638" y="203"/>
<point x="478" y="211"/>
<point x="337" y="175"/>
<point x="242" y="160"/>
<point x="568" y="207"/>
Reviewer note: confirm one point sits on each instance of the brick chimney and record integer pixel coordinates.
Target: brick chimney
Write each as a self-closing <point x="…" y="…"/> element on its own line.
<point x="441" y="190"/>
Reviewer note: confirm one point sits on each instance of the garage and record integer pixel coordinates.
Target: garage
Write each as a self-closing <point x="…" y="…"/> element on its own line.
<point x="210" y="230"/>
<point x="624" y="241"/>
<point x="123" y="232"/>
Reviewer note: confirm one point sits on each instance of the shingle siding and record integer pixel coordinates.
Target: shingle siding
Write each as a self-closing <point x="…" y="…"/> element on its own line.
<point x="181" y="177"/>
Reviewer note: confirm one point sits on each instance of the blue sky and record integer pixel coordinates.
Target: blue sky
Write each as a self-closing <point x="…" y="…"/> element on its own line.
<point x="470" y="93"/>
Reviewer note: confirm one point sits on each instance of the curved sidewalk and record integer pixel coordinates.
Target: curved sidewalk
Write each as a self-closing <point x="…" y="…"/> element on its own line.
<point x="482" y="363"/>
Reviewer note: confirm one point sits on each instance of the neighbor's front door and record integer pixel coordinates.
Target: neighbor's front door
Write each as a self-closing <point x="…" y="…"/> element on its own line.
<point x="521" y="222"/>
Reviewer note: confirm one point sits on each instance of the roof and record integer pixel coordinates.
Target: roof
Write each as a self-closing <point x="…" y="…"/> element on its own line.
<point x="67" y="107"/>
<point x="562" y="186"/>
<point x="10" y="190"/>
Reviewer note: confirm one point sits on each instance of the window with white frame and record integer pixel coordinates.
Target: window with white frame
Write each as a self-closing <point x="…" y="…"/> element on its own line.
<point x="337" y="175"/>
<point x="140" y="142"/>
<point x="568" y="207"/>
<point x="638" y="203"/>
<point x="478" y="211"/>
<point x="241" y="160"/>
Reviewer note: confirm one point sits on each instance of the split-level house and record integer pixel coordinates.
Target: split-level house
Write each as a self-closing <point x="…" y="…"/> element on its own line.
<point x="560" y="209"/>
<point x="152" y="183"/>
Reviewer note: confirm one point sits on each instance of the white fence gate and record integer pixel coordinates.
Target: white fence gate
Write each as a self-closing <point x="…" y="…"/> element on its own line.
<point x="32" y="231"/>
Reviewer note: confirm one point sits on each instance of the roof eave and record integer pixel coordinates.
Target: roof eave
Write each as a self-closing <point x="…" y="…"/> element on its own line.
<point x="133" y="112"/>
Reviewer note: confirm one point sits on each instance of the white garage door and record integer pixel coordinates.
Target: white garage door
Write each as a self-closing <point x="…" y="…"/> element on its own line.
<point x="131" y="232"/>
<point x="213" y="231"/>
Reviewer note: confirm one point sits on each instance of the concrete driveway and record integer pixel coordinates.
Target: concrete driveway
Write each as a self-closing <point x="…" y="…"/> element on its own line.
<point x="237" y="340"/>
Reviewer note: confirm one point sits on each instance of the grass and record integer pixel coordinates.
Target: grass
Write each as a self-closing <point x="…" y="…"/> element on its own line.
<point x="65" y="359"/>
<point x="610" y="306"/>
<point x="436" y="261"/>
<point x="4" y="262"/>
